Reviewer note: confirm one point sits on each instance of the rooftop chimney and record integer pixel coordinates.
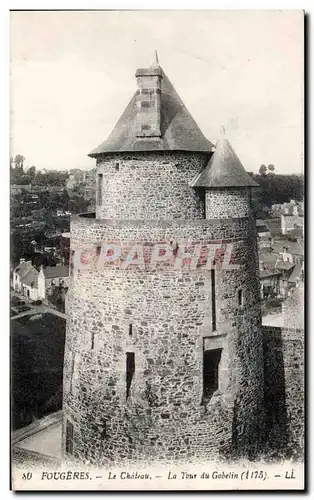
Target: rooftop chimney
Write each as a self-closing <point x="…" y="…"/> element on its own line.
<point x="148" y="100"/>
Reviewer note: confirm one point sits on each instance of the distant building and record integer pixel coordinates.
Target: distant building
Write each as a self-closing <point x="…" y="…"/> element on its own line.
<point x="71" y="182"/>
<point x="84" y="181"/>
<point x="262" y="229"/>
<point x="25" y="279"/>
<point x="38" y="285"/>
<point x="281" y="265"/>
<point x="51" y="277"/>
<point x="19" y="188"/>
<point x="269" y="281"/>
<point x="292" y="216"/>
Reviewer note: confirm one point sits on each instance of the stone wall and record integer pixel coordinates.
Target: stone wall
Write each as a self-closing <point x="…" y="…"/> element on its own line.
<point x="165" y="317"/>
<point x="284" y="390"/>
<point x="157" y="183"/>
<point x="224" y="203"/>
<point x="293" y="356"/>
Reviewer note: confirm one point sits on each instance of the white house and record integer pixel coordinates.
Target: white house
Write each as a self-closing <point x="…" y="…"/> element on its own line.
<point x="292" y="216"/>
<point x="51" y="277"/>
<point x="25" y="279"/>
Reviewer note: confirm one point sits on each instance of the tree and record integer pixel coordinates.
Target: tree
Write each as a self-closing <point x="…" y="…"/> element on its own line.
<point x="263" y="169"/>
<point x="31" y="172"/>
<point x="271" y="168"/>
<point x="19" y="161"/>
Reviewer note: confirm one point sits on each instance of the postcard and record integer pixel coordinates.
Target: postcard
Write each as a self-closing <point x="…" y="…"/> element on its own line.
<point x="157" y="250"/>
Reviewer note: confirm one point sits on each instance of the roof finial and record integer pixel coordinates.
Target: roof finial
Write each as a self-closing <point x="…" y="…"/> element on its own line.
<point x="156" y="62"/>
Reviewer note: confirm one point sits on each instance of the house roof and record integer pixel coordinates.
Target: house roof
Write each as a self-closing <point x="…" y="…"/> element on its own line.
<point x="294" y="247"/>
<point x="56" y="272"/>
<point x="287" y="208"/>
<point x="23" y="268"/>
<point x="261" y="222"/>
<point x="30" y="279"/>
<point x="296" y="232"/>
<point x="296" y="273"/>
<point x="265" y="273"/>
<point x="284" y="265"/>
<point x="224" y="169"/>
<point x="179" y="131"/>
<point x="269" y="259"/>
<point x="262" y="229"/>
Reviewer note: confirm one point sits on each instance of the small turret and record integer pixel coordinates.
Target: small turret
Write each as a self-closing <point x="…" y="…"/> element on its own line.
<point x="226" y="183"/>
<point x="224" y="169"/>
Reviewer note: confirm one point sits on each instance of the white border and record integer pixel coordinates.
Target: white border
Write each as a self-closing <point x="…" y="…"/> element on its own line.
<point x="307" y="5"/>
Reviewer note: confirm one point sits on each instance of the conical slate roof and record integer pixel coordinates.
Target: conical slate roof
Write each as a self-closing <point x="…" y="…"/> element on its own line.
<point x="179" y="131"/>
<point x="224" y="169"/>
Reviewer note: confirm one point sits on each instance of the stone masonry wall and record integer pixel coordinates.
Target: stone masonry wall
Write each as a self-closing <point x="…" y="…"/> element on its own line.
<point x="157" y="183"/>
<point x="224" y="203"/>
<point x="284" y="390"/>
<point x="169" y="309"/>
<point x="293" y="356"/>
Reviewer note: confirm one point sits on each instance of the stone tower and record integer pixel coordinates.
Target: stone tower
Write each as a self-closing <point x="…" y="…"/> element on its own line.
<point x="163" y="359"/>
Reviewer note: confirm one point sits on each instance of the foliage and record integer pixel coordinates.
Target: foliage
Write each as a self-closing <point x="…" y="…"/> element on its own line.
<point x="19" y="176"/>
<point x="263" y="169"/>
<point x="275" y="188"/>
<point x="36" y="367"/>
<point x="57" y="298"/>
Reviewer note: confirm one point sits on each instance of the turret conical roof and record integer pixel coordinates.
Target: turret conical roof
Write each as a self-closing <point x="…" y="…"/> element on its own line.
<point x="179" y="131"/>
<point x="224" y="169"/>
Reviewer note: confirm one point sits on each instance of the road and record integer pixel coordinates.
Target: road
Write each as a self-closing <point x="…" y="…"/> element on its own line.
<point x="36" y="309"/>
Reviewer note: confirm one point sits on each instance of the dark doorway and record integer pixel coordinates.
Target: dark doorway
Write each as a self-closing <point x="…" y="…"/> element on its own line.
<point x="211" y="361"/>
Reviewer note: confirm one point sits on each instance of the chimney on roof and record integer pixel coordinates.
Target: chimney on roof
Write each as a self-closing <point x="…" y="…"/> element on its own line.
<point x="22" y="260"/>
<point x="148" y="100"/>
<point x="156" y="62"/>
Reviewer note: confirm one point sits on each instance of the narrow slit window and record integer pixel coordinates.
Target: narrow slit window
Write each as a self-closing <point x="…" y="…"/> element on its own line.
<point x="100" y="182"/>
<point x="240" y="297"/>
<point x="130" y="369"/>
<point x="130" y="330"/>
<point x="211" y="360"/>
<point x="213" y="290"/>
<point x="93" y="341"/>
<point x="69" y="437"/>
<point x="72" y="262"/>
<point x="117" y="166"/>
<point x="72" y="372"/>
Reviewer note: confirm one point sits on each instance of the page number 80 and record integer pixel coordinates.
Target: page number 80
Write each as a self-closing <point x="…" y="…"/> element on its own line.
<point x="27" y="476"/>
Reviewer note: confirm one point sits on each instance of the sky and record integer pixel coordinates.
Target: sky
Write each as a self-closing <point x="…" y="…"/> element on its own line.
<point x="73" y="73"/>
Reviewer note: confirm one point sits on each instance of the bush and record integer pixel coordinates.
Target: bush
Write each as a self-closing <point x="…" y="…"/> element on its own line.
<point x="37" y="302"/>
